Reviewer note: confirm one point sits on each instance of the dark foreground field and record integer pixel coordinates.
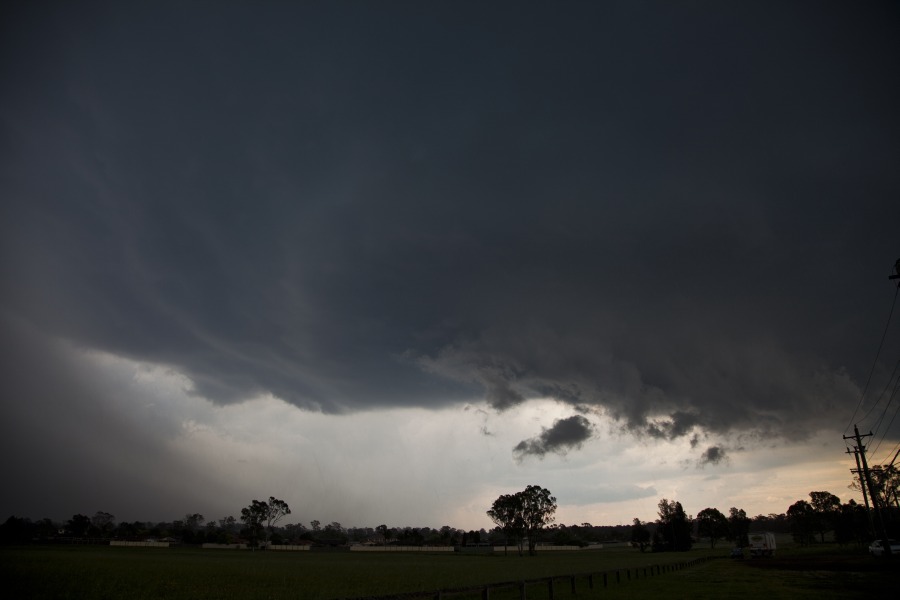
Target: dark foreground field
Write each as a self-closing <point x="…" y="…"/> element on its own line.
<point x="76" y="572"/>
<point x="818" y="574"/>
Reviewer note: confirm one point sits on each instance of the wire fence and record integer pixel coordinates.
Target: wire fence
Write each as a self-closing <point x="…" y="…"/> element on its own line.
<point x="546" y="587"/>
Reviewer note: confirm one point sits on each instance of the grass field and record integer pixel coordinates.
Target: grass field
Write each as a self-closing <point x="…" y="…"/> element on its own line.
<point x="82" y="572"/>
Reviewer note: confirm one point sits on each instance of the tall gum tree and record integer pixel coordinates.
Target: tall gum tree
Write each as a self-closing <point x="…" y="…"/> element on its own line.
<point x="524" y="514"/>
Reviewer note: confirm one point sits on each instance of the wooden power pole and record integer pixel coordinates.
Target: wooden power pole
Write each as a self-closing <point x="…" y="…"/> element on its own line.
<point x="882" y="532"/>
<point x="862" y="484"/>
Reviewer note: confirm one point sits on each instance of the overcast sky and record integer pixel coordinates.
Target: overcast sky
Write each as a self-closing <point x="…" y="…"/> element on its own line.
<point x="387" y="261"/>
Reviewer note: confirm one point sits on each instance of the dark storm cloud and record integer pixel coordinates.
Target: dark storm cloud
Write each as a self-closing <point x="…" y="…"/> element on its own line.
<point x="681" y="216"/>
<point x="713" y="456"/>
<point x="565" y="434"/>
<point x="678" y="424"/>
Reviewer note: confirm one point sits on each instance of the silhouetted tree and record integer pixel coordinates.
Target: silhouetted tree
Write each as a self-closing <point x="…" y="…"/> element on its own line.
<point x="506" y="513"/>
<point x="79" y="525"/>
<point x="673" y="531"/>
<point x="538" y="510"/>
<point x="713" y="524"/>
<point x="131" y="531"/>
<point x="228" y="523"/>
<point x="826" y="507"/>
<point x="335" y="533"/>
<point x="524" y="513"/>
<point x="262" y="516"/>
<point x="738" y="526"/>
<point x="383" y="531"/>
<point x="446" y="534"/>
<point x="103" y="523"/>
<point x="885" y="485"/>
<point x="46" y="529"/>
<point x="16" y="530"/>
<point x="771" y="522"/>
<point x="194" y="521"/>
<point x="801" y="516"/>
<point x="640" y="535"/>
<point x="851" y="524"/>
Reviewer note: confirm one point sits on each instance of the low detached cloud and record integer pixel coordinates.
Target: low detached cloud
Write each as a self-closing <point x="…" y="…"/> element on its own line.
<point x="564" y="435"/>
<point x="713" y="456"/>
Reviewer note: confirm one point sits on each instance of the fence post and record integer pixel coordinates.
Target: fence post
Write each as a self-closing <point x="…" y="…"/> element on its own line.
<point x="486" y="593"/>
<point x="590" y="581"/>
<point x="550" y="587"/>
<point x="573" y="585"/>
<point x="618" y="576"/>
<point x="522" y="590"/>
<point x="605" y="582"/>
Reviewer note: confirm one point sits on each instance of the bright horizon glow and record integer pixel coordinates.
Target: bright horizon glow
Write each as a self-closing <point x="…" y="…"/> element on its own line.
<point x="419" y="467"/>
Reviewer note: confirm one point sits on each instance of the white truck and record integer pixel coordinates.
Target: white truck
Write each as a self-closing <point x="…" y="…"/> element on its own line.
<point x="762" y="544"/>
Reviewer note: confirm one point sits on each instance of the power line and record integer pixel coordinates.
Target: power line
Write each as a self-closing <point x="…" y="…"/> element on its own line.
<point x="877" y="354"/>
<point x="887" y="385"/>
<point x="880" y="420"/>
<point x="881" y="395"/>
<point x="893" y="451"/>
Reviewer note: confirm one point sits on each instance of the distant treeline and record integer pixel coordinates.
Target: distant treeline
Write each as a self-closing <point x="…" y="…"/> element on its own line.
<point x="807" y="521"/>
<point x="194" y="529"/>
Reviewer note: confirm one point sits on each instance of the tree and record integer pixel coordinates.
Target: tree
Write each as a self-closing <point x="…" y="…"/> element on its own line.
<point x="713" y="524"/>
<point x="640" y="535"/>
<point x="826" y="508"/>
<point x="506" y="513"/>
<point x="382" y="529"/>
<point x="851" y="525"/>
<point x="193" y="521"/>
<point x="262" y="516"/>
<point x="79" y="525"/>
<point x="103" y="523"/>
<point x="335" y="532"/>
<point x="189" y="526"/>
<point x="446" y="534"/>
<point x="227" y="523"/>
<point x="524" y="514"/>
<point x="739" y="526"/>
<point x="885" y="484"/>
<point x="673" y="531"/>
<point x="801" y="516"/>
<point x="538" y="510"/>
<point x="16" y="531"/>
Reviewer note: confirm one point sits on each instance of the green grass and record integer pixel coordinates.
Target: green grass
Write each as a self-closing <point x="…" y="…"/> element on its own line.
<point x="816" y="575"/>
<point x="82" y="572"/>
